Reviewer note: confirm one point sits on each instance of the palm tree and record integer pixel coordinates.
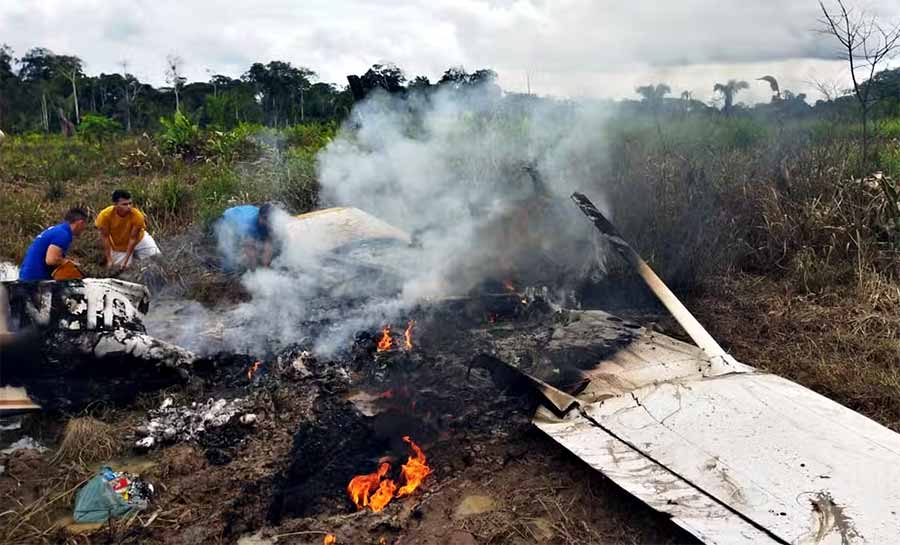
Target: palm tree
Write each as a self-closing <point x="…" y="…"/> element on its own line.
<point x="728" y="90"/>
<point x="653" y="94"/>
<point x="773" y="84"/>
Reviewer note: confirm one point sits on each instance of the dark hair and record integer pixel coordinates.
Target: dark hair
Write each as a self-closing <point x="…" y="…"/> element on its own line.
<point x="75" y="214"/>
<point x="263" y="227"/>
<point x="264" y="211"/>
<point x="120" y="194"/>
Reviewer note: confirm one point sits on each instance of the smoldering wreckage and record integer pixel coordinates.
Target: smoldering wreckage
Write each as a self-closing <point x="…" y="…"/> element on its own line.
<point x="378" y="427"/>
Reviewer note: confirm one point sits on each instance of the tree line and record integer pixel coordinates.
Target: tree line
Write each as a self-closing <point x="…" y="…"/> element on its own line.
<point x="50" y="92"/>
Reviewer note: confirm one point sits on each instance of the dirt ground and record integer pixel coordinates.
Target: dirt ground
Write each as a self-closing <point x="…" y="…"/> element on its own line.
<point x="496" y="479"/>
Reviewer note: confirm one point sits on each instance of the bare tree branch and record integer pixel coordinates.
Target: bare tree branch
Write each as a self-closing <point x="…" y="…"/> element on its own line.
<point x="865" y="44"/>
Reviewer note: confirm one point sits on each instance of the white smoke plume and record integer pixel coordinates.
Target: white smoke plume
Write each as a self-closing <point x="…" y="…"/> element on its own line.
<point x="450" y="169"/>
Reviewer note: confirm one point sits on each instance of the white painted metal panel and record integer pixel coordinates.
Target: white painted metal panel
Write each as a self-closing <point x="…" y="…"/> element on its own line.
<point x="652" y="483"/>
<point x="775" y="452"/>
<point x="732" y="454"/>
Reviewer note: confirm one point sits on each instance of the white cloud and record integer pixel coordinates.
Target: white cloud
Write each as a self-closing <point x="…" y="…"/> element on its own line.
<point x="569" y="47"/>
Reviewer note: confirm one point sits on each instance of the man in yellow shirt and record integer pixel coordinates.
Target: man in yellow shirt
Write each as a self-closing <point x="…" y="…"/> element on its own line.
<point x="123" y="230"/>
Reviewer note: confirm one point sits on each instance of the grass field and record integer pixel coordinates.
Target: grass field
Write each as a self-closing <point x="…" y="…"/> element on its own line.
<point x="785" y="252"/>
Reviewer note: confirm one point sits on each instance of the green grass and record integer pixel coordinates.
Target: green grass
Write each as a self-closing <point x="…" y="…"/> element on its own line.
<point x="766" y="219"/>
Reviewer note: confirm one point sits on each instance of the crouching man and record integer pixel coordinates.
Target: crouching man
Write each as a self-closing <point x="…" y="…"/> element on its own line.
<point x="245" y="236"/>
<point x="47" y="254"/>
<point x="123" y="230"/>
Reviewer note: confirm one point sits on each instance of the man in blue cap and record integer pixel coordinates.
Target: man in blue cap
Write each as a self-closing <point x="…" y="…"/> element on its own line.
<point x="245" y="236"/>
<point x="48" y="251"/>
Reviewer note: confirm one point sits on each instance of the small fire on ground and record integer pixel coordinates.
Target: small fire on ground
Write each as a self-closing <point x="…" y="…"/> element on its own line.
<point x="386" y="341"/>
<point x="375" y="490"/>
<point x="330" y="539"/>
<point x="252" y="369"/>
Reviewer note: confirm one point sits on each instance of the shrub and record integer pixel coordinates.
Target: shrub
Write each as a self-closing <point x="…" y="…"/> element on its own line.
<point x="142" y="155"/>
<point x="890" y="161"/>
<point x="236" y="144"/>
<point x="313" y="136"/>
<point x="890" y="129"/>
<point x="23" y="217"/>
<point x="166" y="201"/>
<point x="97" y="128"/>
<point x="216" y="187"/>
<point x="298" y="186"/>
<point x="180" y="136"/>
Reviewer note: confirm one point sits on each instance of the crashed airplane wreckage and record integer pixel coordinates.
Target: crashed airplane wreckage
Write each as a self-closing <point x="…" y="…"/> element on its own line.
<point x="730" y="453"/>
<point x="80" y="328"/>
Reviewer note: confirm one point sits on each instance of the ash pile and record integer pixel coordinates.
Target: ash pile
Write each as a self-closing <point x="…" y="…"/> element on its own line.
<point x="171" y="423"/>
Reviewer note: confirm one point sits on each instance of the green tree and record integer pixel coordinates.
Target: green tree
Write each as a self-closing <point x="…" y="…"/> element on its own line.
<point x="8" y="83"/>
<point x="653" y="95"/>
<point x="728" y="91"/>
<point x="52" y="77"/>
<point x="387" y="76"/>
<point x="280" y="88"/>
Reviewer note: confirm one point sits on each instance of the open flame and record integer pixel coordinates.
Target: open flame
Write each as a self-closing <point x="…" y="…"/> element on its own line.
<point x="375" y="491"/>
<point x="385" y="342"/>
<point x="414" y="470"/>
<point x="330" y="539"/>
<point x="408" y="334"/>
<point x="252" y="369"/>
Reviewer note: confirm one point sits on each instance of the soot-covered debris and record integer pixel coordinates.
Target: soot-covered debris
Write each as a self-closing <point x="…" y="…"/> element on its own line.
<point x="171" y="423"/>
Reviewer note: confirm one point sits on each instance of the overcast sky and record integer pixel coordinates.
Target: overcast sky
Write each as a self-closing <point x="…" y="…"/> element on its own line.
<point x="564" y="47"/>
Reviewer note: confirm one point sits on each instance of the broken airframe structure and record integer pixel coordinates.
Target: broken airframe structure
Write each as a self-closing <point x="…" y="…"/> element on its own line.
<point x="90" y="319"/>
<point x="732" y="454"/>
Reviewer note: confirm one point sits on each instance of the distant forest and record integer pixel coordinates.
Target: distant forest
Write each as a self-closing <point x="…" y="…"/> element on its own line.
<point x="43" y="91"/>
<point x="46" y="92"/>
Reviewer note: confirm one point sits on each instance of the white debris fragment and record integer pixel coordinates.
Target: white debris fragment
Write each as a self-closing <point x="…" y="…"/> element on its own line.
<point x="8" y="271"/>
<point x="170" y="423"/>
<point x="10" y="424"/>
<point x="23" y="444"/>
<point x="299" y="365"/>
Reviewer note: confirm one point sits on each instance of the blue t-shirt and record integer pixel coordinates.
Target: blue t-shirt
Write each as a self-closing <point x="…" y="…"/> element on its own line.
<point x="243" y="220"/>
<point x="34" y="266"/>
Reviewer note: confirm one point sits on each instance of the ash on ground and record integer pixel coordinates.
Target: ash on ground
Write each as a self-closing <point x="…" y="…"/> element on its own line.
<point x="171" y="423"/>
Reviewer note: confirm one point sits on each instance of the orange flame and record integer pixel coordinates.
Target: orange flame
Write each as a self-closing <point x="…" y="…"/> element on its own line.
<point x="375" y="491"/>
<point x="385" y="343"/>
<point x="330" y="539"/>
<point x="252" y="370"/>
<point x="414" y="470"/>
<point x="510" y="287"/>
<point x="383" y="495"/>
<point x="361" y="487"/>
<point x="408" y="334"/>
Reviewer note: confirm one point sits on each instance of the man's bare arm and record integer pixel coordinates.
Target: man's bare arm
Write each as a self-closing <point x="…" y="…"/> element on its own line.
<point x="132" y="242"/>
<point x="107" y="246"/>
<point x="55" y="256"/>
<point x="267" y="253"/>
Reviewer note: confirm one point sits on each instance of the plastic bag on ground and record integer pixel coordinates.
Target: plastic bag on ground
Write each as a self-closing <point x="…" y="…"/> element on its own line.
<point x="110" y="494"/>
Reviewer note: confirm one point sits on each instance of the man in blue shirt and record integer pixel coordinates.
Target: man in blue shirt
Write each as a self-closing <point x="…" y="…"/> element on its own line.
<point x="49" y="248"/>
<point x="245" y="237"/>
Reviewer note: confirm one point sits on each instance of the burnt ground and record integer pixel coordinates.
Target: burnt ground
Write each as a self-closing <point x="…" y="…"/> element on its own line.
<point x="496" y="479"/>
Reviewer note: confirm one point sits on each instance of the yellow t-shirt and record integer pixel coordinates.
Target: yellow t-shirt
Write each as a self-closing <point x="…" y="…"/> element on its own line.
<point x="119" y="228"/>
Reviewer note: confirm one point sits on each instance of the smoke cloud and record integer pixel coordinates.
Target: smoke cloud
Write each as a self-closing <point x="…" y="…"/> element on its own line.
<point x="480" y="181"/>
